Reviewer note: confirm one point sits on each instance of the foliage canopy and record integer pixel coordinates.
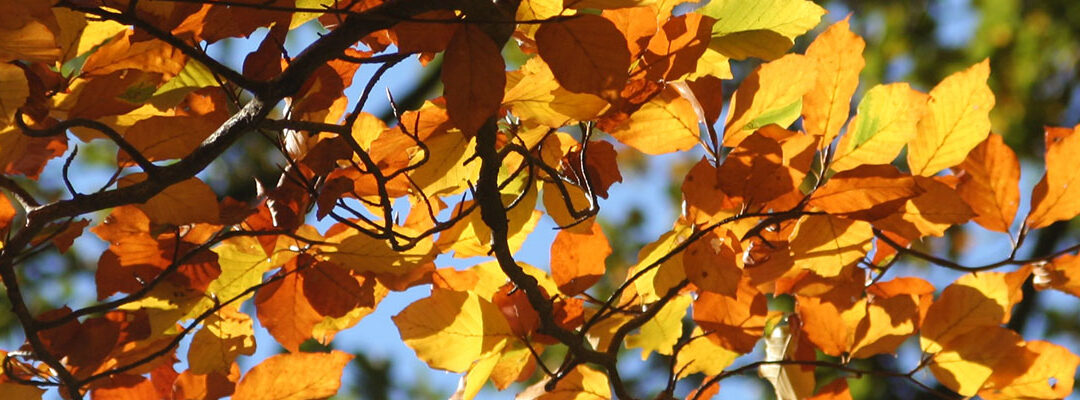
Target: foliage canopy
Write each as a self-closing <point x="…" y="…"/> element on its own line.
<point x="792" y="219"/>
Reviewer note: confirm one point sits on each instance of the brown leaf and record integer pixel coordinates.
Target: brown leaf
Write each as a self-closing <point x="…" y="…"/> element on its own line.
<point x="474" y="78"/>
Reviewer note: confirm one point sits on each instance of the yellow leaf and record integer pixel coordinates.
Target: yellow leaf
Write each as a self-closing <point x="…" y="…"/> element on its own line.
<point x="296" y="376"/>
<point x="703" y="355"/>
<point x="1057" y="196"/>
<point x="470" y="237"/>
<point x="225" y="335"/>
<point x="933" y="211"/>
<point x="605" y="4"/>
<point x="582" y="383"/>
<point x="173" y="205"/>
<point x="530" y="10"/>
<point x="662" y="331"/>
<point x="838" y="54"/>
<point x="968" y="360"/>
<point x="446" y="171"/>
<point x="990" y="183"/>
<point x="972" y="303"/>
<point x="477" y="376"/>
<point x="362" y="253"/>
<point x="667" y="123"/>
<point x="885" y="122"/>
<point x="462" y="321"/>
<point x="25" y="33"/>
<point x="1050" y="376"/>
<point x="826" y="244"/>
<point x="712" y="63"/>
<point x="958" y="119"/>
<point x="772" y="94"/>
<point x="534" y="95"/>
<point x="656" y="281"/>
<point x="764" y="29"/>
<point x="243" y="262"/>
<point x="13" y="92"/>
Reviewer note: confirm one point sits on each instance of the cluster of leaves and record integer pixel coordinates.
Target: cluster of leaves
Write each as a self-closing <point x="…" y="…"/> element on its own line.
<point x="818" y="215"/>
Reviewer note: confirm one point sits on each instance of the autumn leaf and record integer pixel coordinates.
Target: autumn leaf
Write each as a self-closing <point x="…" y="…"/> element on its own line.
<point x="587" y="54"/>
<point x="825" y="243"/>
<point x="868" y="192"/>
<point x="957" y="120"/>
<point x="1050" y="375"/>
<point x="473" y="75"/>
<point x="224" y="336"/>
<point x="989" y="183"/>
<point x="838" y="54"/>
<point x="734" y="322"/>
<point x="763" y="30"/>
<point x="665" y="124"/>
<point x="714" y="263"/>
<point x="971" y="303"/>
<point x="170" y="206"/>
<point x="463" y="321"/>
<point x="577" y="259"/>
<point x="1053" y="198"/>
<point x="772" y="94"/>
<point x="294" y="376"/>
<point x="662" y="332"/>
<point x="885" y="121"/>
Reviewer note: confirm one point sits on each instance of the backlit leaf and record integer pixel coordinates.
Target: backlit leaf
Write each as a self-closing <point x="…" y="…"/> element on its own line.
<point x="838" y="54"/>
<point x="586" y="53"/>
<point x="971" y="303"/>
<point x="462" y="321"/>
<point x="772" y="94"/>
<point x="884" y="123"/>
<point x="958" y="119"/>
<point x="665" y="124"/>
<point x="660" y="333"/>
<point x="826" y="244"/>
<point x="473" y="75"/>
<point x="990" y="183"/>
<point x="577" y="259"/>
<point x="295" y="376"/>
<point x="1056" y="196"/>
<point x="762" y="29"/>
<point x="1050" y="375"/>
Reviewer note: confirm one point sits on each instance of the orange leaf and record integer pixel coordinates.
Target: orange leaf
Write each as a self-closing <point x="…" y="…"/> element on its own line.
<point x="294" y="376"/>
<point x="173" y="205"/>
<point x="973" y="302"/>
<point x="930" y="213"/>
<point x="675" y="49"/>
<point x="667" y="123"/>
<point x="124" y="387"/>
<point x="754" y="172"/>
<point x="1050" y="375"/>
<point x="284" y="310"/>
<point x="990" y="183"/>
<point x="577" y="258"/>
<point x="122" y="52"/>
<point x="826" y="244"/>
<point x="1057" y="196"/>
<point x="773" y="93"/>
<point x="868" y="192"/>
<point x="835" y="390"/>
<point x="587" y="53"/>
<point x="967" y="361"/>
<point x="474" y="78"/>
<point x="838" y="54"/>
<point x="958" y="119"/>
<point x="737" y="322"/>
<point x="714" y="262"/>
<point x="637" y="24"/>
<point x="210" y="386"/>
<point x="1061" y="273"/>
